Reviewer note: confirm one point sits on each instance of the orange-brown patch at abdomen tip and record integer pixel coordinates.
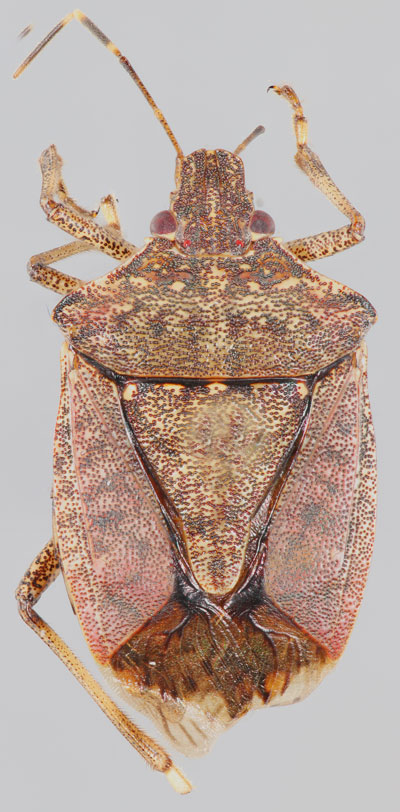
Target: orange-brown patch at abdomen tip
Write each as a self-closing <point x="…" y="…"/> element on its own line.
<point x="196" y="671"/>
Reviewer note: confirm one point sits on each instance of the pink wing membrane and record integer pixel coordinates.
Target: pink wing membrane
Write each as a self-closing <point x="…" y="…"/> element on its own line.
<point x="321" y="535"/>
<point x="113" y="540"/>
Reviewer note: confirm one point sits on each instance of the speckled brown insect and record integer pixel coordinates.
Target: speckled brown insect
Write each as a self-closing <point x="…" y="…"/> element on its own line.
<point x="214" y="462"/>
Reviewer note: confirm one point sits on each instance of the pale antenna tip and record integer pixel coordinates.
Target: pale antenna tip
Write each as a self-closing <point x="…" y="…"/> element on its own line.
<point x="257" y="131"/>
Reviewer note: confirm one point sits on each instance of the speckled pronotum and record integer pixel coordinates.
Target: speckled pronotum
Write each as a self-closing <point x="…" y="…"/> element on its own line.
<point x="214" y="460"/>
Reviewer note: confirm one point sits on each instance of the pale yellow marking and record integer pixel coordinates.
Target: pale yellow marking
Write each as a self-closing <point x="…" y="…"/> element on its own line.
<point x="178" y="286"/>
<point x="130" y="391"/>
<point x="361" y="357"/>
<point x="255" y="287"/>
<point x="178" y="781"/>
<point x="303" y="389"/>
<point x="173" y="387"/>
<point x="217" y="387"/>
<point x="113" y="48"/>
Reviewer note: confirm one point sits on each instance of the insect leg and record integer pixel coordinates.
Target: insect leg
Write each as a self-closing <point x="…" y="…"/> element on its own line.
<point x="328" y="242"/>
<point x="76" y="221"/>
<point x="38" y="577"/>
<point x="108" y="208"/>
<point x="324" y="244"/>
<point x="40" y="270"/>
<point x="43" y="571"/>
<point x="57" y="187"/>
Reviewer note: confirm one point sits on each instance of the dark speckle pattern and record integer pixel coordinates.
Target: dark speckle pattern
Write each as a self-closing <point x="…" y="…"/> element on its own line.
<point x="257" y="315"/>
<point x="112" y="538"/>
<point x="321" y="536"/>
<point x="215" y="450"/>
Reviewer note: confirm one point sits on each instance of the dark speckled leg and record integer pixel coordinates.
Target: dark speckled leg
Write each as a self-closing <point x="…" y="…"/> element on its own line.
<point x="42" y="572"/>
<point x="328" y="242"/>
<point x="41" y="272"/>
<point x="71" y="217"/>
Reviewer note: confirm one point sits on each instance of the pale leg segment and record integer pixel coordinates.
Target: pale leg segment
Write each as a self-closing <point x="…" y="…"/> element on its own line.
<point x="327" y="242"/>
<point x="76" y="221"/>
<point x="42" y="572"/>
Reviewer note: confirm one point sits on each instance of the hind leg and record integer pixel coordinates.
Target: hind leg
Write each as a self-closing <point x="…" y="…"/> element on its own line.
<point x="42" y="572"/>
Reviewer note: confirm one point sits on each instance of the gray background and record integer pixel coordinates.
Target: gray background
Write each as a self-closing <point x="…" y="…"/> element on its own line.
<point x="207" y="64"/>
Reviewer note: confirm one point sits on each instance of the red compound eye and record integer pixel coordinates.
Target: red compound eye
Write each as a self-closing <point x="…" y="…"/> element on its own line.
<point x="262" y="223"/>
<point x="240" y="242"/>
<point x="163" y="223"/>
<point x="186" y="243"/>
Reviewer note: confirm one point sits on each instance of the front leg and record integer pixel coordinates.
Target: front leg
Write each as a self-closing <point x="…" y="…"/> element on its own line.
<point x="328" y="242"/>
<point x="75" y="220"/>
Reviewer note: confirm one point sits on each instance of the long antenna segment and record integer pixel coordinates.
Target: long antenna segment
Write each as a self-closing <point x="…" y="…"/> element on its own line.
<point x="81" y="18"/>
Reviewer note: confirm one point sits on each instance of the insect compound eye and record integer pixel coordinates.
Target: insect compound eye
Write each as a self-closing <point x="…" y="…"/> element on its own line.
<point x="163" y="223"/>
<point x="262" y="223"/>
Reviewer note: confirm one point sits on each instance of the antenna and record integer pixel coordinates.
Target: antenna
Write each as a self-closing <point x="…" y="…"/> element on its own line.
<point x="258" y="131"/>
<point x="81" y="18"/>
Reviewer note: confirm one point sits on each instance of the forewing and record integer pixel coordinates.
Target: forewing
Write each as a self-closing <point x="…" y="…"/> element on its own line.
<point x="321" y="536"/>
<point x="113" y="541"/>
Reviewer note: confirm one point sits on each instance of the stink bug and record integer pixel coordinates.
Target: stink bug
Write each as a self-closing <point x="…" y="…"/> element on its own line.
<point x="214" y="462"/>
